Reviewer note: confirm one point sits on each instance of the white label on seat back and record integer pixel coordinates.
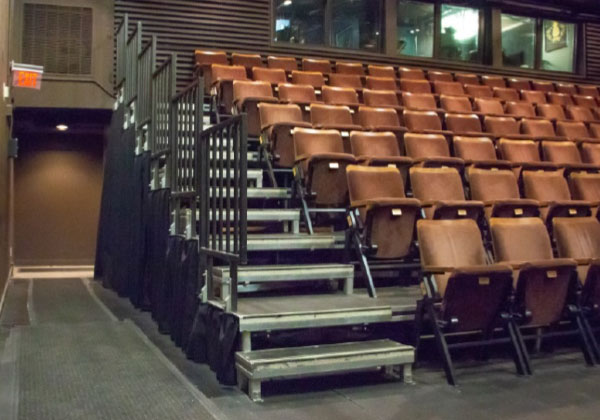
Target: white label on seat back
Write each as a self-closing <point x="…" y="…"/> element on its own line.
<point x="518" y="212"/>
<point x="396" y="212"/>
<point x="484" y="281"/>
<point x="334" y="165"/>
<point x="551" y="274"/>
<point x="462" y="212"/>
<point x="345" y="134"/>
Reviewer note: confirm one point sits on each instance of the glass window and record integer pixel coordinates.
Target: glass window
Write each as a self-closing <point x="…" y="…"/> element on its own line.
<point x="518" y="41"/>
<point x="415" y="28"/>
<point x="300" y="21"/>
<point x="357" y="24"/>
<point x="558" y="45"/>
<point x="460" y="33"/>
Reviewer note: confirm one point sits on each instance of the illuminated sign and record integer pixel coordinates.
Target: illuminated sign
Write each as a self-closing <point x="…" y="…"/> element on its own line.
<point x="27" y="76"/>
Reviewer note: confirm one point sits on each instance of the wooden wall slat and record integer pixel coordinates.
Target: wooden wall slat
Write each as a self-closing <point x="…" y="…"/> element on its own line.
<point x="237" y="25"/>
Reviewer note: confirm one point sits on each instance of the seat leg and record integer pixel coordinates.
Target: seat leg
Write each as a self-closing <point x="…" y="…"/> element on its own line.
<point x="299" y="189"/>
<point x="418" y="326"/>
<point x="584" y="341"/>
<point x="523" y="348"/>
<point x="518" y="356"/>
<point x="266" y="157"/>
<point x="442" y="346"/>
<point x="591" y="336"/>
<point x="364" y="264"/>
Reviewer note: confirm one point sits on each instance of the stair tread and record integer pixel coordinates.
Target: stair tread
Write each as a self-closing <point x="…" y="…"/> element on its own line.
<point x="253" y="268"/>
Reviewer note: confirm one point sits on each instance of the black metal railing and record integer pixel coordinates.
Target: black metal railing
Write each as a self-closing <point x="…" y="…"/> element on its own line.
<point x="222" y="198"/>
<point x="163" y="90"/>
<point x="121" y="36"/>
<point x="132" y="51"/>
<point x="146" y="66"/>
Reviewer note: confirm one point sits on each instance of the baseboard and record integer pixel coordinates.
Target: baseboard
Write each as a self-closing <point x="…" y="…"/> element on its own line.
<point x="5" y="290"/>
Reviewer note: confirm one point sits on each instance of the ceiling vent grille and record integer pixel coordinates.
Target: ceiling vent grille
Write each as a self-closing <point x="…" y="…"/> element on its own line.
<point x="58" y="38"/>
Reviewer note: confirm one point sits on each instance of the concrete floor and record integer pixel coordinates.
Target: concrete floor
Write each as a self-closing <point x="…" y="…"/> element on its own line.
<point x="561" y="388"/>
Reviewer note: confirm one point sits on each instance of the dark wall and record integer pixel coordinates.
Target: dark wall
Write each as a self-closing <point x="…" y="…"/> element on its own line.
<point x="58" y="181"/>
<point x="237" y="25"/>
<point x="4" y="135"/>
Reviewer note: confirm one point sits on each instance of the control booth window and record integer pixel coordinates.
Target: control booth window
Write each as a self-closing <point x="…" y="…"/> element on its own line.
<point x="558" y="46"/>
<point x="415" y="28"/>
<point x="357" y="24"/>
<point x="518" y="41"/>
<point x="459" y="38"/>
<point x="300" y="21"/>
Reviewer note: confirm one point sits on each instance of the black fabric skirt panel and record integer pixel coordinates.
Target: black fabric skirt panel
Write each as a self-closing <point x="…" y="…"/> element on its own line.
<point x="166" y="317"/>
<point x="158" y="248"/>
<point x="177" y="296"/>
<point x="140" y="211"/>
<point x="228" y="345"/>
<point x="192" y="286"/>
<point x="197" y="345"/>
<point x="112" y="138"/>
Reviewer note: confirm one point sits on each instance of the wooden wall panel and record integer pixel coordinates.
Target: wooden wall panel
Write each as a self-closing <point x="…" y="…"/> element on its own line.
<point x="237" y="25"/>
<point x="593" y="50"/>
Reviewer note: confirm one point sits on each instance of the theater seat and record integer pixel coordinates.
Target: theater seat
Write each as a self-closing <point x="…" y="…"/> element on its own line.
<point x="456" y="104"/>
<point x="203" y="62"/>
<point x="506" y="127"/>
<point x="580" y="113"/>
<point x="277" y="123"/>
<point x="590" y="153"/>
<point x="382" y="71"/>
<point x="382" y="99"/>
<point x="387" y="216"/>
<point x="340" y="96"/>
<point x="533" y="96"/>
<point x="464" y="124"/>
<point x="585" y="101"/>
<point x="301" y="95"/>
<point x="415" y="86"/>
<point x="488" y="106"/>
<point x="273" y="76"/>
<point x="311" y="78"/>
<point x="566" y="88"/>
<point x="551" y="112"/>
<point x="288" y="64"/>
<point x="439" y="76"/>
<point x="430" y="150"/>
<point x="543" y="86"/>
<point x="562" y="99"/>
<point x="467" y="79"/>
<point x="321" y="165"/>
<point x="381" y="119"/>
<point x="421" y="102"/>
<point x="479" y="91"/>
<point x="478" y="152"/>
<point x="539" y="129"/>
<point x="448" y="88"/>
<point x="586" y="186"/>
<point x="346" y="80"/>
<point x="493" y="81"/>
<point x="519" y="84"/>
<point x="318" y="65"/>
<point x="333" y="117"/>
<point x="424" y="122"/>
<point x="246" y="97"/>
<point x="507" y="94"/>
<point x="588" y="90"/>
<point x="381" y="83"/>
<point x="574" y="130"/>
<point x="441" y="193"/>
<point x="349" y="68"/>
<point x="379" y="149"/>
<point x="525" y="154"/>
<point x="248" y="61"/>
<point x="520" y="110"/>
<point x="565" y="154"/>
<point x="411" y="73"/>
<point x="221" y="85"/>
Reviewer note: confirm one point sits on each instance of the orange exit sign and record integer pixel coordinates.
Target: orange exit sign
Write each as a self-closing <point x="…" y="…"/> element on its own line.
<point x="27" y="76"/>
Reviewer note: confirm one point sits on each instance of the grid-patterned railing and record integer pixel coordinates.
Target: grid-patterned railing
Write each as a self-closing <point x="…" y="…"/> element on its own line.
<point x="121" y="38"/>
<point x="132" y="50"/>
<point x="146" y="67"/>
<point x="222" y="198"/>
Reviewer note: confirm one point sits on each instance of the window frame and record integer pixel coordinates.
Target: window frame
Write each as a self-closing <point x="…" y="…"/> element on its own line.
<point x="273" y="22"/>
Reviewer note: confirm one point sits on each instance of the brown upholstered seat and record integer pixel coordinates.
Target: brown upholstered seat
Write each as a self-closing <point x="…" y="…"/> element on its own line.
<point x="488" y="106"/>
<point x="346" y="80"/>
<point x="519" y="84"/>
<point x="381" y="98"/>
<point x="430" y="150"/>
<point x="525" y="154"/>
<point x="543" y="86"/>
<point x="585" y="186"/>
<point x="203" y="62"/>
<point x="420" y="102"/>
<point x="456" y="104"/>
<point x="415" y="86"/>
<point x="565" y="154"/>
<point x="381" y="83"/>
<point x="379" y="149"/>
<point x="411" y="73"/>
<point x="382" y="71"/>
<point x="277" y="123"/>
<point x="507" y="94"/>
<point x="439" y="76"/>
<point x="349" y="68"/>
<point x="542" y="283"/>
<point x="424" y="122"/>
<point x="539" y="129"/>
<point x="302" y="95"/>
<point x="273" y="76"/>
<point x="441" y="193"/>
<point x="585" y="101"/>
<point x="312" y="78"/>
<point x="478" y="152"/>
<point x="249" y="61"/>
<point x="566" y="88"/>
<point x="499" y="191"/>
<point x="477" y="91"/>
<point x="334" y="117"/>
<point x="467" y="79"/>
<point x="493" y="81"/>
<point x="340" y="96"/>
<point x="318" y="65"/>
<point x="534" y="96"/>
<point x="590" y="153"/>
<point x="464" y="124"/>
<point x="221" y="85"/>
<point x="520" y="110"/>
<point x="588" y="90"/>
<point x="288" y="64"/>
<point x="580" y="113"/>
<point x="246" y="97"/>
<point x="551" y="112"/>
<point x="557" y="98"/>
<point x="387" y="215"/>
<point x="319" y="154"/>
<point x="507" y="127"/>
<point x="381" y="119"/>
<point x="574" y="130"/>
<point x="448" y="88"/>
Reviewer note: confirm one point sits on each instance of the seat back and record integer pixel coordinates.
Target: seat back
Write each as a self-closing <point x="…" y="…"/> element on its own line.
<point x="318" y="65"/>
<point x="488" y="106"/>
<point x="520" y="240"/>
<point x="479" y="91"/>
<point x="415" y="86"/>
<point x="419" y="146"/>
<point x="374" y="118"/>
<point x="330" y="115"/>
<point x="577" y="237"/>
<point x="448" y="88"/>
<point x="345" y="80"/>
<point x="382" y="71"/>
<point x="490" y="185"/>
<point x="543" y="86"/>
<point x="381" y="83"/>
<point x="590" y="153"/>
<point x="557" y="98"/>
<point x="243" y="89"/>
<point x="561" y="152"/>
<point x="566" y="88"/>
<point x="224" y="72"/>
<point x="374" y="144"/>
<point x="537" y="128"/>
<point x="551" y="111"/>
<point x="296" y="93"/>
<point x="422" y="120"/>
<point x="380" y="98"/>
<point x="459" y="104"/>
<point x="273" y="76"/>
<point x="367" y="182"/>
<point x="520" y="109"/>
<point x="419" y="101"/>
<point x="588" y="90"/>
<point x="534" y="96"/>
<point x="572" y="129"/>
<point x="436" y="184"/>
<point x="507" y="94"/>
<point x="310" y="142"/>
<point x="463" y="123"/>
<point x="278" y="113"/>
<point x="312" y="78"/>
<point x="411" y="73"/>
<point x="546" y="186"/>
<point x="339" y="96"/>
<point x="585" y="101"/>
<point x="519" y="84"/>
<point x="585" y="186"/>
<point x="439" y="76"/>
<point x="580" y="113"/>
<point x="247" y="60"/>
<point x="205" y="59"/>
<point x="474" y="148"/>
<point x="501" y="126"/>
<point x="467" y="79"/>
<point x="284" y="63"/>
<point x="493" y="81"/>
<point x="349" y="68"/>
<point x="519" y="150"/>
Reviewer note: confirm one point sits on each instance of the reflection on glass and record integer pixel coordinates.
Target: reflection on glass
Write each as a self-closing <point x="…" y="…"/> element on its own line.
<point x="357" y="24"/>
<point x="558" y="45"/>
<point x="518" y="41"/>
<point x="299" y="21"/>
<point x="460" y="33"/>
<point x="415" y="28"/>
